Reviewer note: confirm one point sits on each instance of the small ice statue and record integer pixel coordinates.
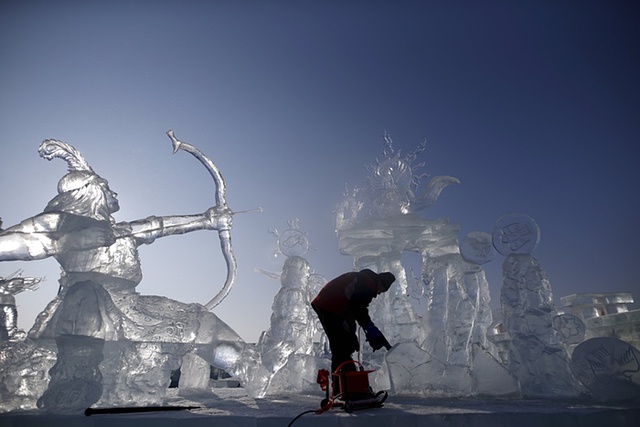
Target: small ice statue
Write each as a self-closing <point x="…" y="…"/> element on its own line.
<point x="287" y="347"/>
<point x="114" y="345"/>
<point x="9" y="287"/>
<point x="535" y="357"/>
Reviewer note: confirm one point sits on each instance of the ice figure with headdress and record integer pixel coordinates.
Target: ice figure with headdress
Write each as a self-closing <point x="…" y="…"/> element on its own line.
<point x="287" y="347"/>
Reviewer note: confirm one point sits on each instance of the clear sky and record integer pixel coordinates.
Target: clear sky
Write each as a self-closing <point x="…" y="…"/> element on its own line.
<point x="533" y="105"/>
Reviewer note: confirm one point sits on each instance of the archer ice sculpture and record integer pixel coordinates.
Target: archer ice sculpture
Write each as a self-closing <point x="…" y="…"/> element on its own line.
<point x="114" y="346"/>
<point x="437" y="353"/>
<point x="287" y="347"/>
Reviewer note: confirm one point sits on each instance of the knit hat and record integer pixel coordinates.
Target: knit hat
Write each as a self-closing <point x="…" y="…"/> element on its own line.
<point x="386" y="279"/>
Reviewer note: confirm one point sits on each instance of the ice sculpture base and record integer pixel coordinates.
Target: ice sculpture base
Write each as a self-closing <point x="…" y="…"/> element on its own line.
<point x="233" y="407"/>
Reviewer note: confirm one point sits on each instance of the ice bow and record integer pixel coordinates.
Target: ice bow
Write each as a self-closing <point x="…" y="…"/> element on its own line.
<point x="223" y="217"/>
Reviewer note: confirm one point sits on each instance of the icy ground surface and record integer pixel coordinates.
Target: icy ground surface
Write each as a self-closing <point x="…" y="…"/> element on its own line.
<point x="233" y="407"/>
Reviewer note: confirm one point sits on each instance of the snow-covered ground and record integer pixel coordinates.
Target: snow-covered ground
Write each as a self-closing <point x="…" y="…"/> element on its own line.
<point x="231" y="407"/>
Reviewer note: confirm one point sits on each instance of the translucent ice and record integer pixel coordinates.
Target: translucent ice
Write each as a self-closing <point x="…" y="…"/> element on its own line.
<point x="376" y="225"/>
<point x="76" y="379"/>
<point x="287" y="347"/>
<point x="113" y="345"/>
<point x="609" y="368"/>
<point x="9" y="287"/>
<point x="535" y="357"/>
<point x="24" y="372"/>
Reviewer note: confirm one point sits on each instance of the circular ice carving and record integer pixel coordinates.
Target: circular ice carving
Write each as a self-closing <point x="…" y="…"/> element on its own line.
<point x="293" y="242"/>
<point x="515" y="233"/>
<point x="477" y="248"/>
<point x="569" y="327"/>
<point x="608" y="367"/>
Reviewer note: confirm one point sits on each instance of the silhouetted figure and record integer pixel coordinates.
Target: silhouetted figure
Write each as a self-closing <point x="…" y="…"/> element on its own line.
<point x="344" y="301"/>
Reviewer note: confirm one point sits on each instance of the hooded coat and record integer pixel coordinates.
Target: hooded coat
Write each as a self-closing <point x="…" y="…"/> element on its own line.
<point x="349" y="296"/>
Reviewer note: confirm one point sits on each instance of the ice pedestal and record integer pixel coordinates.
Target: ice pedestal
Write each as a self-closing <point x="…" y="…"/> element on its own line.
<point x="414" y="371"/>
<point x="138" y="372"/>
<point x="155" y="333"/>
<point x="194" y="374"/>
<point x="76" y="380"/>
<point x="24" y="372"/>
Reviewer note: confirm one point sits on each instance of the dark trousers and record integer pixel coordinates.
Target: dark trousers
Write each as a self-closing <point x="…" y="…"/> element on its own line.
<point x="342" y="338"/>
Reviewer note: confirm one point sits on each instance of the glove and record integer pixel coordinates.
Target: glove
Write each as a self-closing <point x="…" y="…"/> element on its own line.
<point x="371" y="331"/>
<point x="375" y="338"/>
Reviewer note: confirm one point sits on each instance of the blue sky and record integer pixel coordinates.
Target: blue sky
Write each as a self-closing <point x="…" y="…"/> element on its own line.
<point x="532" y="105"/>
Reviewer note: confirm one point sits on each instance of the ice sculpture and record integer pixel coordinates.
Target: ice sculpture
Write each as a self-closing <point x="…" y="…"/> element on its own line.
<point x="9" y="287"/>
<point x="602" y="315"/>
<point x="113" y="346"/>
<point x="535" y="357"/>
<point x="435" y="354"/>
<point x="287" y="347"/>
<point x="477" y="247"/>
<point x="609" y="368"/>
<point x="375" y="224"/>
<point x="600" y="333"/>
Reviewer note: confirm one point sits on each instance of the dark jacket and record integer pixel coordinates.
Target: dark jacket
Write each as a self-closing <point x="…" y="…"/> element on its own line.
<point x="349" y="296"/>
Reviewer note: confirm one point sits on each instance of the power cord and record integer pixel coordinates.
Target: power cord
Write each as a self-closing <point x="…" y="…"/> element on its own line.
<point x="299" y="415"/>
